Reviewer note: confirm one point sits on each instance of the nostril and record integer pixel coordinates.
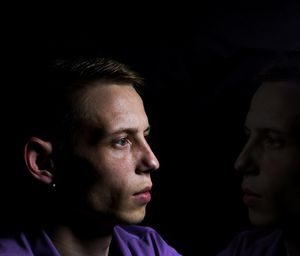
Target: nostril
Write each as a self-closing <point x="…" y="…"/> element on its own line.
<point x="246" y="166"/>
<point x="151" y="164"/>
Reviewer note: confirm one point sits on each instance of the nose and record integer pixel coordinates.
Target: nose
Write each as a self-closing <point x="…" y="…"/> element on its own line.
<point x="246" y="162"/>
<point x="149" y="161"/>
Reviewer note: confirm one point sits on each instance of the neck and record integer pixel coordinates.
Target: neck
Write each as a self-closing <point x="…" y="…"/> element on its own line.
<point x="70" y="242"/>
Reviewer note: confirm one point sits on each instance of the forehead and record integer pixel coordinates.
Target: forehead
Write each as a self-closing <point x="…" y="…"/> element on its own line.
<point x="276" y="105"/>
<point x="104" y="104"/>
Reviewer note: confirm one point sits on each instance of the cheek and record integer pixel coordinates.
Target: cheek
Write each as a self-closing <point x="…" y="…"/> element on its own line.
<point x="293" y="187"/>
<point x="117" y="163"/>
<point x="113" y="173"/>
<point x="108" y="189"/>
<point x="281" y="176"/>
<point x="283" y="165"/>
<point x="113" y="170"/>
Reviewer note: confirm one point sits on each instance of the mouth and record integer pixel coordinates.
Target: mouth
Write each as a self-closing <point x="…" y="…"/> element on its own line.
<point x="144" y="190"/>
<point x="250" y="192"/>
<point x="143" y="196"/>
<point x="250" y="197"/>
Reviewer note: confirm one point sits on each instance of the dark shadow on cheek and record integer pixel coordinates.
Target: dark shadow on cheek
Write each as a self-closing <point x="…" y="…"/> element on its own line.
<point x="73" y="178"/>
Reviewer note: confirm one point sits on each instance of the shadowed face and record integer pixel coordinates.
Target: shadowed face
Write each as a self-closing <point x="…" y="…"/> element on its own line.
<point x="111" y="159"/>
<point x="270" y="160"/>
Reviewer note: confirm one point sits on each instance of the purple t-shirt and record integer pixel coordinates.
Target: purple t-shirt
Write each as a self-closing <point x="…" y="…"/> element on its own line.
<point x="130" y="240"/>
<point x="256" y="243"/>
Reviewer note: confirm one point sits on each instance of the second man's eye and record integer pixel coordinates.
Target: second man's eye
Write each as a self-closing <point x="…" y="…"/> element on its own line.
<point x="273" y="142"/>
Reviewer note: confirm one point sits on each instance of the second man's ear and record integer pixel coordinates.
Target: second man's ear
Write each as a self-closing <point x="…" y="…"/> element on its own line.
<point x="38" y="159"/>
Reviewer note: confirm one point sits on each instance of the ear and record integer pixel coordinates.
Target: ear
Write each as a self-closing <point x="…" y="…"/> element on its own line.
<point x="38" y="159"/>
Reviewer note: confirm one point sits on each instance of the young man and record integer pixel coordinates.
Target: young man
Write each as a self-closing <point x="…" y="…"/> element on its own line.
<point x="85" y="145"/>
<point x="270" y="165"/>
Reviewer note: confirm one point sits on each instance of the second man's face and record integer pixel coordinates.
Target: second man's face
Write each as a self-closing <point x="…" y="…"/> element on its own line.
<point x="270" y="160"/>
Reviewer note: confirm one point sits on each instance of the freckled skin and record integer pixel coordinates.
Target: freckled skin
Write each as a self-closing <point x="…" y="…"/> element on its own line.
<point x="120" y="160"/>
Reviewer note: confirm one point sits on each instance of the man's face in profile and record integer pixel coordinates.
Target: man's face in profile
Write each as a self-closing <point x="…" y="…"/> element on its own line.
<point x="111" y="160"/>
<point x="270" y="160"/>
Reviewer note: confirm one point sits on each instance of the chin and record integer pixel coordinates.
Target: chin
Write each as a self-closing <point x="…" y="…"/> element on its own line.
<point x="263" y="220"/>
<point x="132" y="218"/>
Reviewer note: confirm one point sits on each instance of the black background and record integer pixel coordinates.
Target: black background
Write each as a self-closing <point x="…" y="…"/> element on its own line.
<point x="197" y="61"/>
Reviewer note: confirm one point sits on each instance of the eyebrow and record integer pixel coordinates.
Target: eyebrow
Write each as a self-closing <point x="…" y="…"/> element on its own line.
<point x="129" y="130"/>
<point x="265" y="130"/>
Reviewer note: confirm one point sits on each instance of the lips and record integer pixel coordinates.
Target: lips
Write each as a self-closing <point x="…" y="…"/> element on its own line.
<point x="144" y="190"/>
<point x="250" y="192"/>
<point x="250" y="197"/>
<point x="143" y="196"/>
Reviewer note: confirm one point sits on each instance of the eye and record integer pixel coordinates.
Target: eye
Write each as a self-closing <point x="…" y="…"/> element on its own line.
<point x="273" y="142"/>
<point x="122" y="141"/>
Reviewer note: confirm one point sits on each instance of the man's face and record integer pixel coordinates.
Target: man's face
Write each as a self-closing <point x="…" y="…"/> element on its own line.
<point x="111" y="158"/>
<point x="270" y="160"/>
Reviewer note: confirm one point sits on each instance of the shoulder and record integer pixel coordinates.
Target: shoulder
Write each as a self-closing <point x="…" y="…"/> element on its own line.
<point x="142" y="240"/>
<point x="26" y="244"/>
<point x="254" y="242"/>
<point x="15" y="244"/>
